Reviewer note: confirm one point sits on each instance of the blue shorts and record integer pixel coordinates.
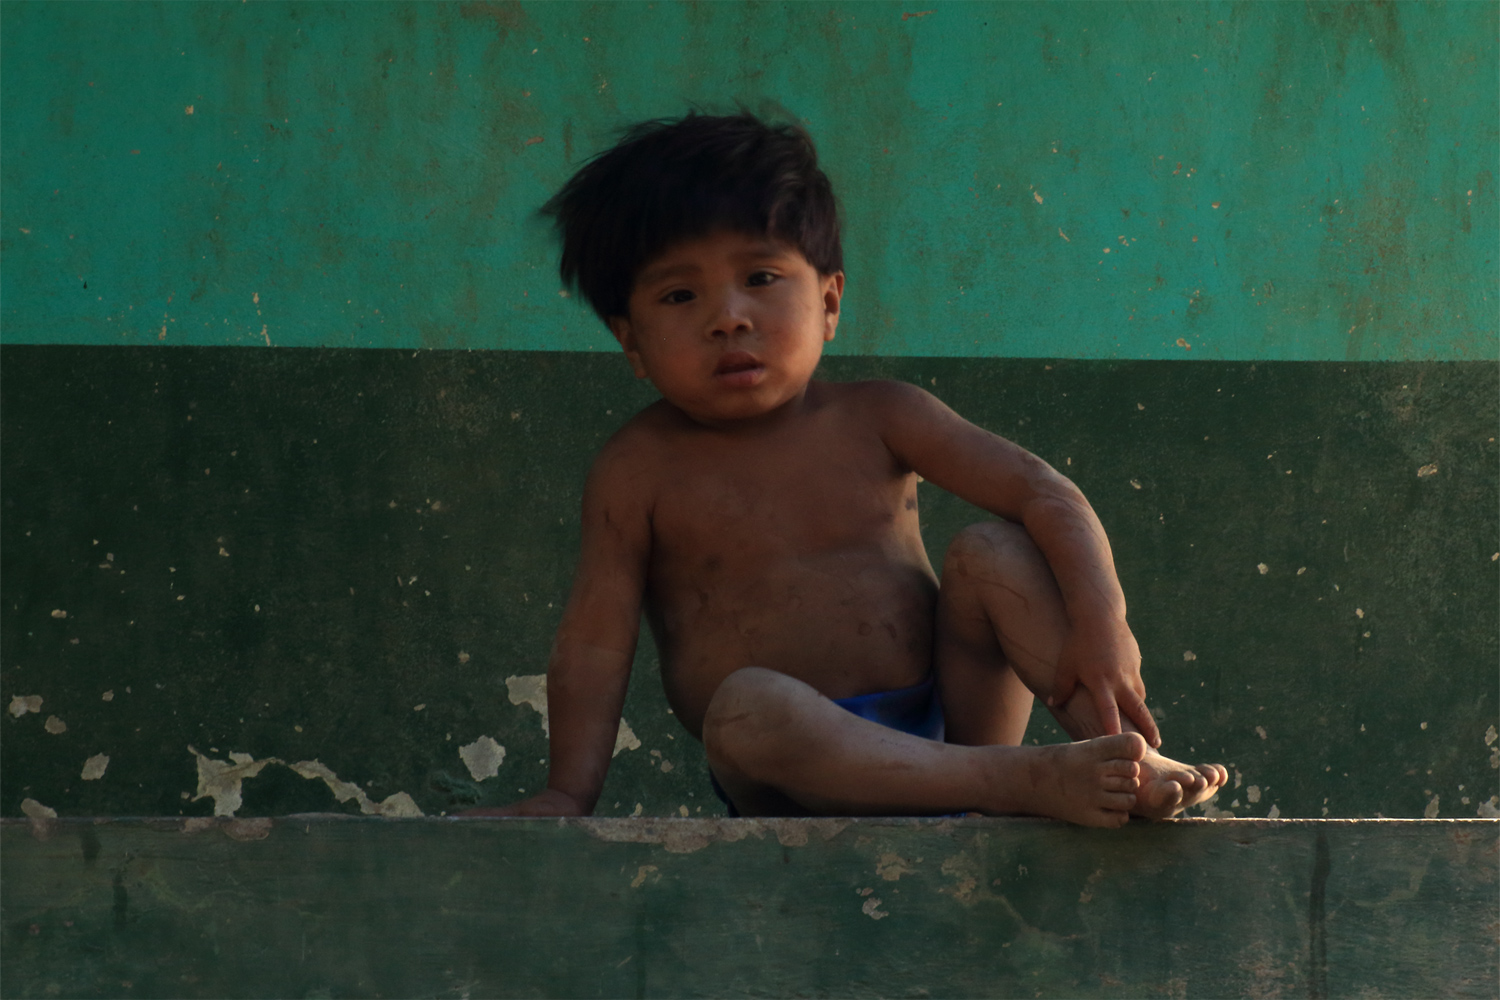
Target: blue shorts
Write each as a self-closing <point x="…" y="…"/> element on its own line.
<point x="914" y="710"/>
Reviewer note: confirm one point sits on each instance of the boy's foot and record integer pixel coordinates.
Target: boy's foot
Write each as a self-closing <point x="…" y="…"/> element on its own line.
<point x="1167" y="786"/>
<point x="1092" y="783"/>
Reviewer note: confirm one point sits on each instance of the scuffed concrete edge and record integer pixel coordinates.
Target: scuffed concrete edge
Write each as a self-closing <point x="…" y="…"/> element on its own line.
<point x="684" y="836"/>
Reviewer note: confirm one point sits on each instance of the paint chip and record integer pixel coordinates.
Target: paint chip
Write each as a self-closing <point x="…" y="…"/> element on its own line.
<point x="1359" y="612"/>
<point x="108" y="696"/>
<point x="55" y="726"/>
<point x="220" y="780"/>
<point x="1427" y="470"/>
<point x="1136" y="483"/>
<point x="1264" y="569"/>
<point x="872" y="908"/>
<point x="1261" y="732"/>
<point x="483" y="758"/>
<point x="1275" y="811"/>
<point x="94" y="767"/>
<point x="44" y="818"/>
<point x="1431" y="811"/>
<point x="642" y="873"/>
<point x="1038" y="196"/>
<point x="398" y="805"/>
<point x="59" y="613"/>
<point x="21" y="704"/>
<point x="463" y="657"/>
<point x="1189" y="656"/>
<point x="1252" y="794"/>
<point x="892" y="866"/>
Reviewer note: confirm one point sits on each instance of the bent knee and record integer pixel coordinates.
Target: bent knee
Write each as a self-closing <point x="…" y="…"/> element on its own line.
<point x="989" y="546"/>
<point x="744" y="701"/>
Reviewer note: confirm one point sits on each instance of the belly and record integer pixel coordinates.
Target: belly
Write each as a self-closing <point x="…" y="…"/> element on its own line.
<point x="848" y="622"/>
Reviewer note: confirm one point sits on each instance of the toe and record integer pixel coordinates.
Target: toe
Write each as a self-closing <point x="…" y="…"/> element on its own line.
<point x="1119" y="783"/>
<point x="1123" y="801"/>
<point x="1164" y="795"/>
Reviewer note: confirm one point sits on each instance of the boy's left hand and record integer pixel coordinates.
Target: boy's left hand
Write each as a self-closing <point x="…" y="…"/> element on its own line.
<point x="1108" y="663"/>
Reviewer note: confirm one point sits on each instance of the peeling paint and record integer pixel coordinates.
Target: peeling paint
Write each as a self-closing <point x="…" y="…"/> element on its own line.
<point x="872" y="909"/>
<point x="892" y="866"/>
<point x="21" y="704"/>
<point x="94" y="767"/>
<point x="220" y="780"/>
<point x="398" y="805"/>
<point x="642" y="873"/>
<point x="483" y="758"/>
<point x="43" y="818"/>
<point x="55" y="726"/>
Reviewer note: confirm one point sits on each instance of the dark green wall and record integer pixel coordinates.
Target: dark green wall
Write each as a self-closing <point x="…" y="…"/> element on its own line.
<point x="233" y="536"/>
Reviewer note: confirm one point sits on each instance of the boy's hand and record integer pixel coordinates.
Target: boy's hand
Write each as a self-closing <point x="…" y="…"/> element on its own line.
<point x="548" y="803"/>
<point x="1108" y="665"/>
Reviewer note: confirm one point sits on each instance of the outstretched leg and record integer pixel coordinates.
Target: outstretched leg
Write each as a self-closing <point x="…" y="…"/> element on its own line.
<point x="782" y="749"/>
<point x="1000" y="628"/>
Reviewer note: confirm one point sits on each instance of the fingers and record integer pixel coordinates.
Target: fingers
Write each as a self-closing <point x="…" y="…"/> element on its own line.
<point x="1109" y="712"/>
<point x="1138" y="713"/>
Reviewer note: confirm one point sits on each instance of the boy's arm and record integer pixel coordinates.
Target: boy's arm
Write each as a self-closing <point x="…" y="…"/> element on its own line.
<point x="1005" y="479"/>
<point x="589" y="668"/>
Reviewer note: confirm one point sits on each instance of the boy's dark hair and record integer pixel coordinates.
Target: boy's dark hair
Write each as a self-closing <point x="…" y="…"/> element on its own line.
<point x="670" y="180"/>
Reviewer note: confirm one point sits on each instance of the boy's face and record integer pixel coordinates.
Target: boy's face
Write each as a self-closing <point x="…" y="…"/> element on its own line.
<point x="729" y="326"/>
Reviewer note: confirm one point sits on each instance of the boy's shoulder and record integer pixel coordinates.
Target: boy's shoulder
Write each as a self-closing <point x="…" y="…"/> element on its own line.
<point x="873" y="398"/>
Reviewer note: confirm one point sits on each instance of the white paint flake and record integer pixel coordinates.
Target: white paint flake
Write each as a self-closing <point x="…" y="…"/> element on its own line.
<point x="220" y="780"/>
<point x="20" y="704"/>
<point x="872" y="908"/>
<point x="400" y="804"/>
<point x="1429" y="469"/>
<point x="44" y="818"/>
<point x="1275" y="812"/>
<point x="483" y="758"/>
<point x="1490" y="809"/>
<point x="892" y="866"/>
<point x="1431" y="812"/>
<point x="1264" y="569"/>
<point x="55" y="726"/>
<point x="95" y="766"/>
<point x="1253" y="793"/>
<point x="1189" y="656"/>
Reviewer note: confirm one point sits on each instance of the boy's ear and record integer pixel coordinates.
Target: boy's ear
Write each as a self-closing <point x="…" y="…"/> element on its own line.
<point x="620" y="327"/>
<point x="833" y="293"/>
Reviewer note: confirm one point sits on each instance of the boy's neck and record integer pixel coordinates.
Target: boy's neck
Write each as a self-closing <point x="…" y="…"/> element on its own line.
<point x="791" y="411"/>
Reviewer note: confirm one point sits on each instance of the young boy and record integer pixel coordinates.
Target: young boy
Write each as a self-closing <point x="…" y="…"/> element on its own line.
<point x="767" y="525"/>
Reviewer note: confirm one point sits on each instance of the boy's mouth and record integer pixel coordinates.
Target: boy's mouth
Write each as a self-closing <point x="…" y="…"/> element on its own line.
<point x="739" y="368"/>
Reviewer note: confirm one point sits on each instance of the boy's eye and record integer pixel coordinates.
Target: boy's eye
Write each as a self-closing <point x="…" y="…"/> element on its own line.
<point x="677" y="296"/>
<point x="760" y="278"/>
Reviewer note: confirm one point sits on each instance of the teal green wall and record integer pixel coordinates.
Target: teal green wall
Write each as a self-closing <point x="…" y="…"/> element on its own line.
<point x="1222" y="181"/>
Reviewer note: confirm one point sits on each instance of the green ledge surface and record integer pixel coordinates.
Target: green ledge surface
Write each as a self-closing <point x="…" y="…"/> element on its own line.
<point x="321" y="906"/>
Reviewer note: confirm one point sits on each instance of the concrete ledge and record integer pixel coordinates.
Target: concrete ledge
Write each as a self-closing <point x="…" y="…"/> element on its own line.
<point x="331" y="906"/>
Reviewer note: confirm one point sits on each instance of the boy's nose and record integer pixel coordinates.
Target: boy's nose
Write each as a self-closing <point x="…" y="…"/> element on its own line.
<point x="733" y="316"/>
